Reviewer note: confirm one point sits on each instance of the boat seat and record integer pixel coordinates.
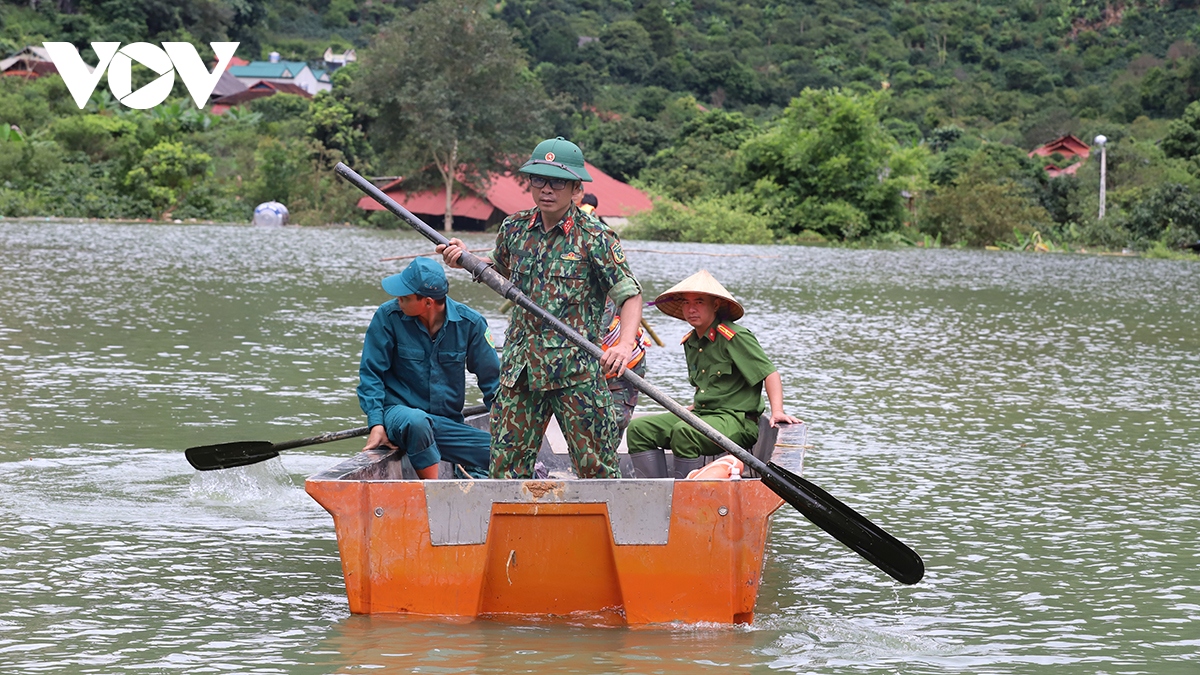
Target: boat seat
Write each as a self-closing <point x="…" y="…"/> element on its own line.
<point x="763" y="448"/>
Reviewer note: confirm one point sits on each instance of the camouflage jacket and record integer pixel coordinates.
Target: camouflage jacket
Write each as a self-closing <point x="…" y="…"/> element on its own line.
<point x="567" y="271"/>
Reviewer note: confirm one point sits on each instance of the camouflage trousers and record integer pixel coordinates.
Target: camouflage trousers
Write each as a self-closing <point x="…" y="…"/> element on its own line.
<point x="585" y="413"/>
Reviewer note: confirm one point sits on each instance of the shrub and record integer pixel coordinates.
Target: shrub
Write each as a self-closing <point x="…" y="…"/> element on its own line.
<point x="28" y="163"/>
<point x="981" y="213"/>
<point x="1169" y="213"/>
<point x="713" y="220"/>
<point x="827" y="165"/>
<point x="167" y="174"/>
<point x="99" y="136"/>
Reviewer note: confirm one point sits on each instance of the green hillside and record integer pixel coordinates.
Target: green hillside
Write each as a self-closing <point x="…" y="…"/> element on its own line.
<point x="704" y="102"/>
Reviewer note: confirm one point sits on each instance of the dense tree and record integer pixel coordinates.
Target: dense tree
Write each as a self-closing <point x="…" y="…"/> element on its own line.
<point x="337" y="120"/>
<point x="827" y="165"/>
<point x="623" y="146"/>
<point x="553" y="39"/>
<point x="973" y="86"/>
<point x="1182" y="140"/>
<point x="1170" y="211"/>
<point x="627" y="50"/>
<point x="577" y="81"/>
<point x="700" y="161"/>
<point x="453" y="93"/>
<point x="652" y="15"/>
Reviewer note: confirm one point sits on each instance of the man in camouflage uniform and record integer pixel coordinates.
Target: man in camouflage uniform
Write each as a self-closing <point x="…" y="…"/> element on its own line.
<point x="567" y="262"/>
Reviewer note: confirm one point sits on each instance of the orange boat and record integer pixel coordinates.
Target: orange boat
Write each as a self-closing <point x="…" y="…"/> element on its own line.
<point x="633" y="551"/>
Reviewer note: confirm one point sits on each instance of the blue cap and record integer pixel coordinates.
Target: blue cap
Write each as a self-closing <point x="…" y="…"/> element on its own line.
<point x="423" y="277"/>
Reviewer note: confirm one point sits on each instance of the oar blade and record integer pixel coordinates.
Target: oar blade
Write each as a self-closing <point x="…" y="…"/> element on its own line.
<point x="229" y="455"/>
<point x="846" y="525"/>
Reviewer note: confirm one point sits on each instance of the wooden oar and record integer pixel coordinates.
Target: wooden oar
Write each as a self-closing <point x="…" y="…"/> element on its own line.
<point x="508" y="304"/>
<point x="847" y="526"/>
<point x="654" y="336"/>
<point x="243" y="453"/>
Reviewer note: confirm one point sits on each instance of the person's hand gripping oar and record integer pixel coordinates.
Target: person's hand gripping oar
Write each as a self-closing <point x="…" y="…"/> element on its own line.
<point x="844" y="523"/>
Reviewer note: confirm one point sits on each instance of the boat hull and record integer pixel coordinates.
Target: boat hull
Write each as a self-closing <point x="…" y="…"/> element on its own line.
<point x="631" y="551"/>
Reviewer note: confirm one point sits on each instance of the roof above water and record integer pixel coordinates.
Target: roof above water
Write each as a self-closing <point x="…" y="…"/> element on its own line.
<point x="509" y="194"/>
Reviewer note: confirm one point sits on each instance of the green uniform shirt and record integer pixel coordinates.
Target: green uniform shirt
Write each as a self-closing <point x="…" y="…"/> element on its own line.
<point x="567" y="271"/>
<point x="727" y="366"/>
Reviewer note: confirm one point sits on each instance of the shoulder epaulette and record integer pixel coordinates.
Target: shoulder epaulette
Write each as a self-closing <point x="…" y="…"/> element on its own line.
<point x="726" y="331"/>
<point x="521" y="216"/>
<point x="687" y="335"/>
<point x="517" y="222"/>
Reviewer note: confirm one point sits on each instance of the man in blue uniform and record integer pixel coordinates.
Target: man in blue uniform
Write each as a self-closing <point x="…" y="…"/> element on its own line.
<point x="412" y="379"/>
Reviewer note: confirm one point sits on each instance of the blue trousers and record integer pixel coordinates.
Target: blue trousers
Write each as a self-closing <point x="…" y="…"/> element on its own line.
<point x="429" y="439"/>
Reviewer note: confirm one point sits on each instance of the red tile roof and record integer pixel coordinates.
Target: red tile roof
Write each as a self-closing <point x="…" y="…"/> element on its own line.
<point x="509" y="194"/>
<point x="260" y="89"/>
<point x="1069" y="147"/>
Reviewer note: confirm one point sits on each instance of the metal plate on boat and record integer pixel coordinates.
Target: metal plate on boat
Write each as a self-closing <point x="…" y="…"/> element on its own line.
<point x="638" y="510"/>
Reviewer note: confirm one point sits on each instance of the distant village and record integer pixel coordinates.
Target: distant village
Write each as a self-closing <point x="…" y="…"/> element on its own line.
<point x="244" y="81"/>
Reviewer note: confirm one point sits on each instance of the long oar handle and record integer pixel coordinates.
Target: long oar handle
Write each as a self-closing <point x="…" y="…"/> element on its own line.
<point x="327" y="437"/>
<point x="485" y="274"/>
<point x="331" y="436"/>
<point x="847" y="526"/>
<point x="481" y="271"/>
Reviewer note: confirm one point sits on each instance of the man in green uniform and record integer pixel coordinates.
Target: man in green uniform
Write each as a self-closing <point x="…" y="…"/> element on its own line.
<point x="729" y="370"/>
<point x="567" y="262"/>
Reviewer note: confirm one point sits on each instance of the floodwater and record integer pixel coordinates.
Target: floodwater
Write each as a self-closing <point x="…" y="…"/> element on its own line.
<point x="1028" y="423"/>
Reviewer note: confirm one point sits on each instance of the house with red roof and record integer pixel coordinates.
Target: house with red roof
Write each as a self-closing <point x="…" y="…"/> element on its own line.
<point x="506" y="194"/>
<point x="258" y="90"/>
<point x="1069" y="148"/>
<point x="31" y="62"/>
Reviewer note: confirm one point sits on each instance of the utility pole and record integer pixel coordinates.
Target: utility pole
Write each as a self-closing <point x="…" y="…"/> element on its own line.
<point x="1101" y="140"/>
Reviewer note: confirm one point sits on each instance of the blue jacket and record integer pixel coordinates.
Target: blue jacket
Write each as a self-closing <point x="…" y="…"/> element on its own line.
<point x="402" y="366"/>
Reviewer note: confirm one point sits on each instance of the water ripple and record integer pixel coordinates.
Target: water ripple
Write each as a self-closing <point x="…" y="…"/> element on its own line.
<point x="1025" y="422"/>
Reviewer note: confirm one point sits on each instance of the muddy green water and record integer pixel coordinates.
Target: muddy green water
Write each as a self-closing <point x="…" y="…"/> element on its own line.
<point x="1027" y="423"/>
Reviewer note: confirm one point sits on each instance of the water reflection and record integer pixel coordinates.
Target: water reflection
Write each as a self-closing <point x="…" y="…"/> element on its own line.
<point x="1024" y="422"/>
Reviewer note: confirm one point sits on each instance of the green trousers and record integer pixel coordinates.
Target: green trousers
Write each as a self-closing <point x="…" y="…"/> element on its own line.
<point x="669" y="432"/>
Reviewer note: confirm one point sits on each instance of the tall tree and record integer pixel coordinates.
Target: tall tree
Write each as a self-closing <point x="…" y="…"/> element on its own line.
<point x="453" y="91"/>
<point x="829" y="166"/>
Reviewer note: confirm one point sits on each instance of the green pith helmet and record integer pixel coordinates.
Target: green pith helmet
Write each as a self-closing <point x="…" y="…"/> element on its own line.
<point x="557" y="158"/>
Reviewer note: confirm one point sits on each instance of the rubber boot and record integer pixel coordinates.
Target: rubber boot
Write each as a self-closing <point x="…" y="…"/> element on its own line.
<point x="649" y="464"/>
<point x="686" y="465"/>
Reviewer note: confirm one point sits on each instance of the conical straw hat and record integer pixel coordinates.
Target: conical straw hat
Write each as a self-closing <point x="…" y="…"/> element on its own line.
<point x="671" y="302"/>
